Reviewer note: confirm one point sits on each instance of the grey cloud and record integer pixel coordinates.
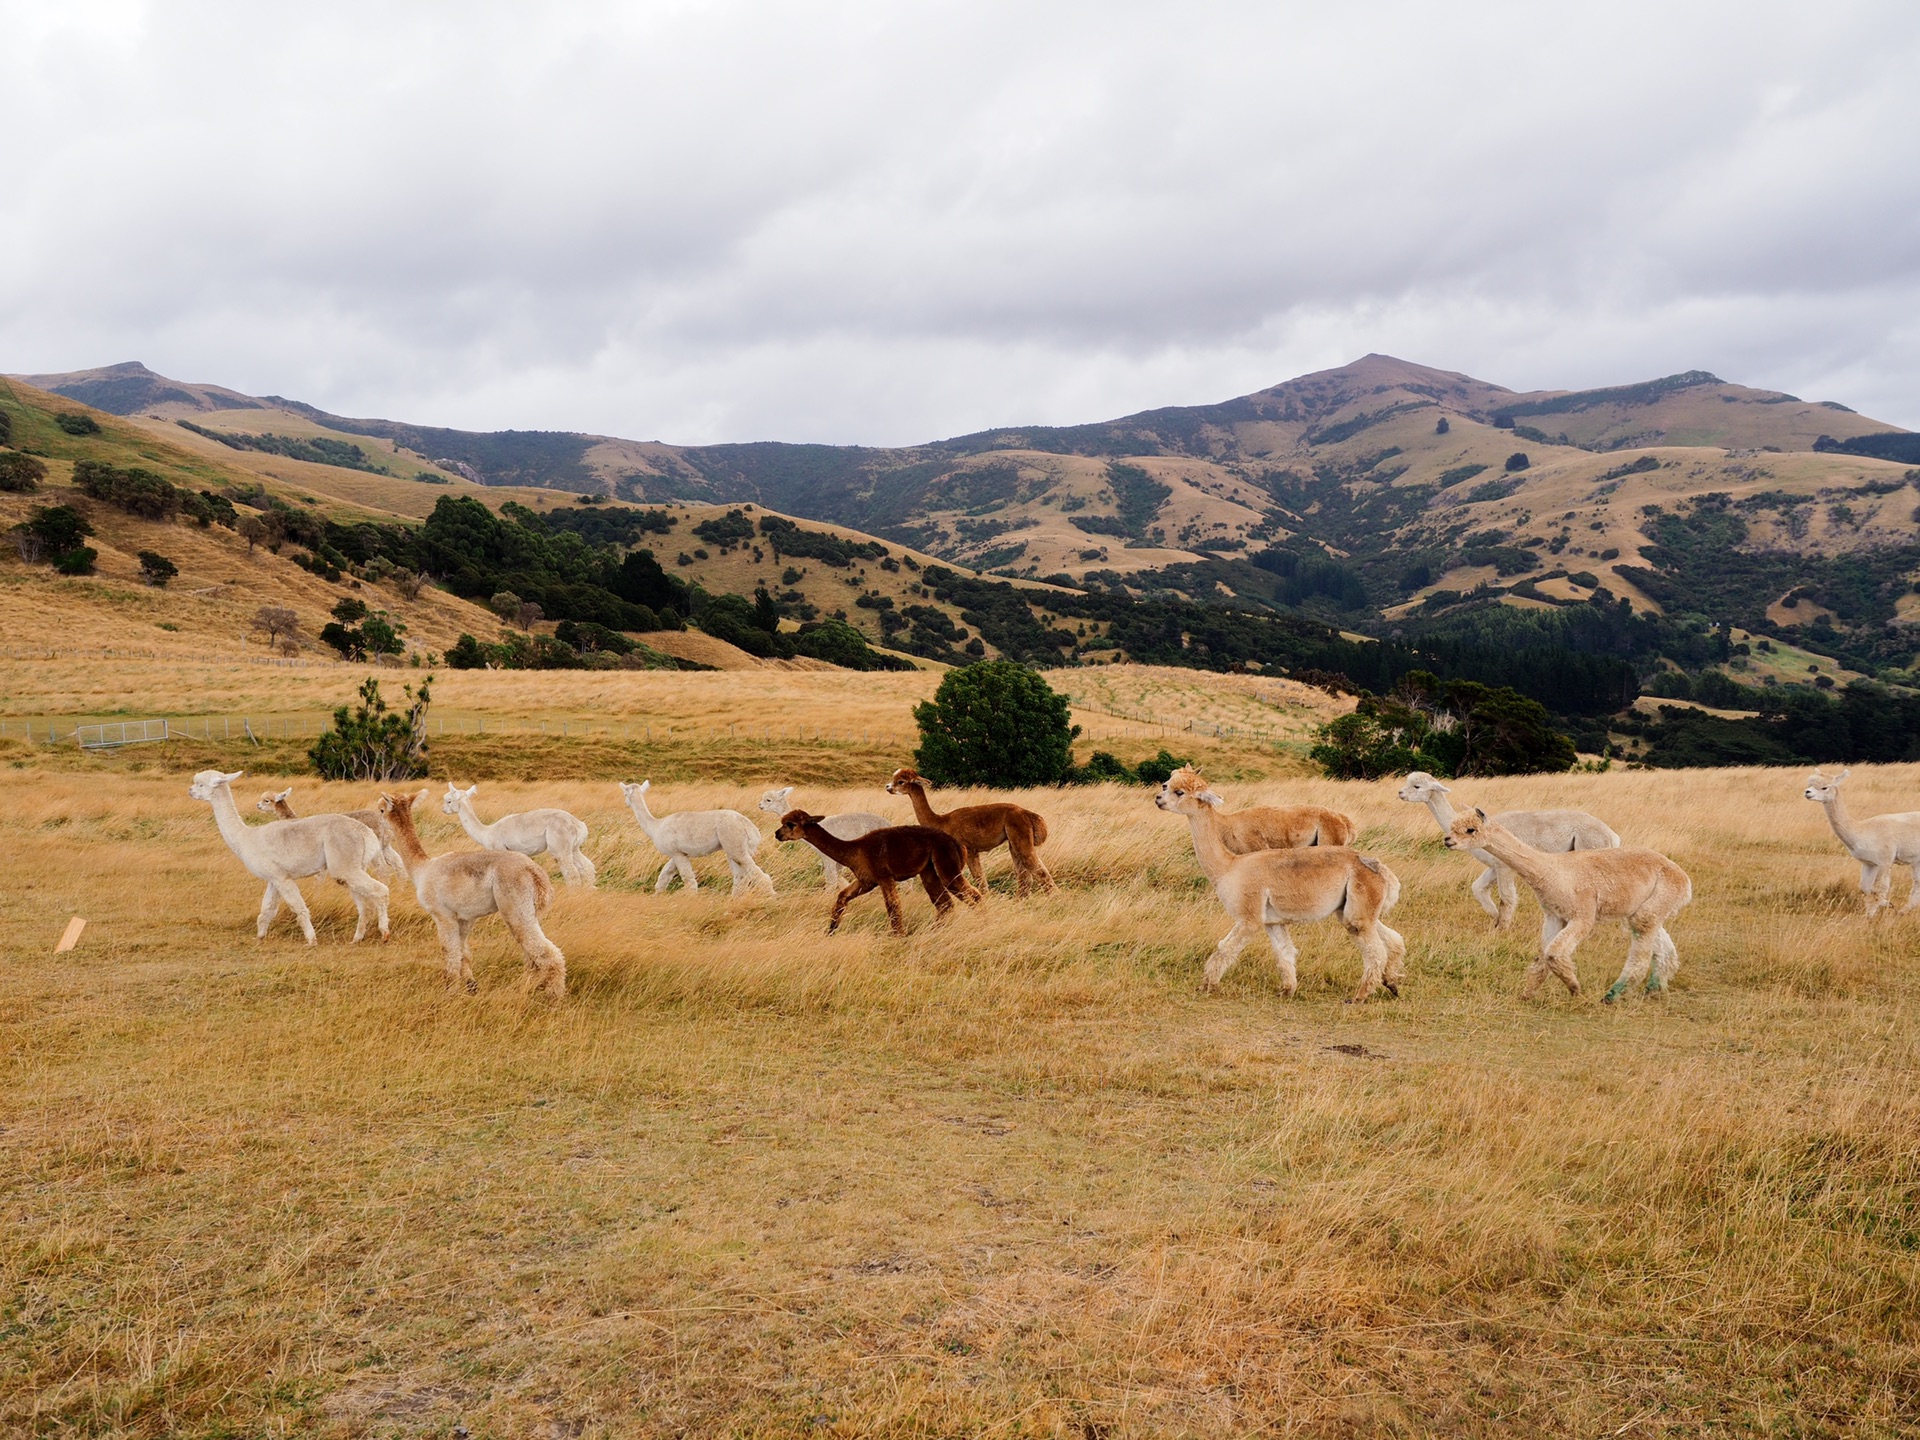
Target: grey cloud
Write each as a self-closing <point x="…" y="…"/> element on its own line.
<point x="884" y="223"/>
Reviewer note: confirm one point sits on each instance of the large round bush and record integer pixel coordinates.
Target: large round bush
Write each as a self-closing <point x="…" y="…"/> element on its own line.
<point x="997" y="723"/>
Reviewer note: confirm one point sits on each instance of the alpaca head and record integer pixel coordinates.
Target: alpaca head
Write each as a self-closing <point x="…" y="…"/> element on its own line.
<point x="635" y="792"/>
<point x="1421" y="787"/>
<point x="451" y="801"/>
<point x="1186" y="792"/>
<point x="270" y="801"/>
<point x="793" y="825"/>
<point x="399" y="808"/>
<point x="1822" y="789"/>
<point x="905" y="778"/>
<point x="774" y="802"/>
<point x="209" y="783"/>
<point x="1469" y="828"/>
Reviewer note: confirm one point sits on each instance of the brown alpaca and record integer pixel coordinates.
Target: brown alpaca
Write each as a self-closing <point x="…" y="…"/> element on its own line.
<point x="458" y="889"/>
<point x="979" y="828"/>
<point x="1272" y="827"/>
<point x="883" y="858"/>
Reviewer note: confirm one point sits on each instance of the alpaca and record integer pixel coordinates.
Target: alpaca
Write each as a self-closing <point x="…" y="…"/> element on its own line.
<point x="1278" y="827"/>
<point x="1642" y="889"/>
<point x="1879" y="843"/>
<point x="529" y="833"/>
<point x="850" y="826"/>
<point x="457" y="890"/>
<point x="981" y="828"/>
<point x="1556" y="831"/>
<point x="277" y="802"/>
<point x="699" y="832"/>
<point x="1272" y="889"/>
<point x="284" y="851"/>
<point x="883" y="858"/>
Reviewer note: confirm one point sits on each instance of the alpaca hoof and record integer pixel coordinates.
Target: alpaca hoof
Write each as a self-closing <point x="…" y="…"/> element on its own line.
<point x="1614" y="992"/>
<point x="471" y="986"/>
<point x="1391" y="988"/>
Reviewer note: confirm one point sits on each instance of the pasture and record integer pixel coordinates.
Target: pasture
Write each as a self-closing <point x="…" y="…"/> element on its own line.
<point x="1010" y="1176"/>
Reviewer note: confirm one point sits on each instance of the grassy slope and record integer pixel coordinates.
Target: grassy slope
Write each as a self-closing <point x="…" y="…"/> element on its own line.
<point x="1012" y="1173"/>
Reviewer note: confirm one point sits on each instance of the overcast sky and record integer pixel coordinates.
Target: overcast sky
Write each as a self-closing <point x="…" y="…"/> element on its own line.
<point x="889" y="222"/>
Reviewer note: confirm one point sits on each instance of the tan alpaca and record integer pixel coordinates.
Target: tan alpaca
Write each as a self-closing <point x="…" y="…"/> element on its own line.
<point x="1272" y="889"/>
<point x="1642" y="889"/>
<point x="1551" y="830"/>
<point x="280" y="803"/>
<point x="1277" y="827"/>
<point x="458" y="889"/>
<point x="1879" y="843"/>
<point x="981" y="828"/>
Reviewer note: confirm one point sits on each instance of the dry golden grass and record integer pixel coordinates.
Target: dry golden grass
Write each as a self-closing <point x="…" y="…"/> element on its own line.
<point x="1009" y="1176"/>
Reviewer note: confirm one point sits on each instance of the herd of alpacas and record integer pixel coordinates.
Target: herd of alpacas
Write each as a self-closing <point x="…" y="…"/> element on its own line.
<point x="1271" y="867"/>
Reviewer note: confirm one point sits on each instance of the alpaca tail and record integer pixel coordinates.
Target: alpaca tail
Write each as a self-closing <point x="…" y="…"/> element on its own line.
<point x="1392" y="897"/>
<point x="1039" y="828"/>
<point x="542" y="887"/>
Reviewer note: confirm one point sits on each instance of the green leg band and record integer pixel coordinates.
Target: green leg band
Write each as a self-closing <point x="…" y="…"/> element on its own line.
<point x="1614" y="992"/>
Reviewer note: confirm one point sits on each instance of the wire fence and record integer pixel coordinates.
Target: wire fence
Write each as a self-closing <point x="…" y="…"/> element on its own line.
<point x="98" y="733"/>
<point x="280" y="662"/>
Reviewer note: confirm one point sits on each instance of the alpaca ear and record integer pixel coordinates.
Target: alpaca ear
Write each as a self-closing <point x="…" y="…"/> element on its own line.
<point x="1209" y="798"/>
<point x="233" y="777"/>
<point x="419" y="799"/>
<point x="284" y="793"/>
<point x="1841" y="776"/>
<point x="1478" y="811"/>
<point x="1433" y="784"/>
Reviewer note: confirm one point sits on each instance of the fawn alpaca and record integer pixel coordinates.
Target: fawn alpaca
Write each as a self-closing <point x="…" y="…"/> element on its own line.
<point x="849" y="826"/>
<point x="528" y="833"/>
<point x="279" y="802"/>
<point x="1879" y="843"/>
<point x="457" y="890"/>
<point x="1281" y="827"/>
<point x="1272" y="889"/>
<point x="699" y="832"/>
<point x="883" y="858"/>
<point x="1642" y="889"/>
<point x="1555" y="831"/>
<point x="284" y="851"/>
<point x="980" y="828"/>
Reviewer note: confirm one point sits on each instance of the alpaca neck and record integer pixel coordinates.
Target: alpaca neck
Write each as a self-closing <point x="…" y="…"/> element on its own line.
<point x="233" y="830"/>
<point x="831" y="846"/>
<point x="643" y="817"/>
<point x="406" y="839"/>
<point x="1525" y="861"/>
<point x="1841" y="821"/>
<point x="922" y="811"/>
<point x="1208" y="847"/>
<point x="1442" y="809"/>
<point x="476" y="831"/>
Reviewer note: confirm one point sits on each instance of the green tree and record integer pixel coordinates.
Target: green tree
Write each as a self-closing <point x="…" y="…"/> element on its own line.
<point x="20" y="474"/>
<point x="51" y="532"/>
<point x="995" y="723"/>
<point x="156" y="569"/>
<point x="371" y="742"/>
<point x="466" y="654"/>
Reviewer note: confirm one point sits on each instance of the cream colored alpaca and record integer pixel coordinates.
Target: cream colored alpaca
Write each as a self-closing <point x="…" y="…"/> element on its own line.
<point x="1272" y="889"/>
<point x="1642" y="889"/>
<point x="848" y="826"/>
<point x="1551" y="830"/>
<point x="1277" y="827"/>
<point x="1879" y="843"/>
<point x="457" y="890"/>
<point x="699" y="832"/>
<point x="280" y="802"/>
<point x="286" y="851"/>
<point x="528" y="833"/>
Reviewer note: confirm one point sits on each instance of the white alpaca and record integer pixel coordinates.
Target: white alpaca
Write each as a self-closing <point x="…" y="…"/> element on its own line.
<point x="527" y="833"/>
<point x="1879" y="843"/>
<point x="1555" y="831"/>
<point x="287" y="850"/>
<point x="850" y="826"/>
<point x="280" y="802"/>
<point x="699" y="832"/>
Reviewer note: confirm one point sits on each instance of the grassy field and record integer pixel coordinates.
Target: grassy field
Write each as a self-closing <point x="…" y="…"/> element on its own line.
<point x="1010" y="1176"/>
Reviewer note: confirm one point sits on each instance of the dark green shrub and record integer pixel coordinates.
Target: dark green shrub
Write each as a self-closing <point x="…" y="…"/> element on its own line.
<point x="466" y="654"/>
<point x="1517" y="461"/>
<point x="20" y="474"/>
<point x="50" y="532"/>
<point x="995" y="723"/>
<point x="134" y="490"/>
<point x="77" y="424"/>
<point x="156" y="569"/>
<point x="76" y="562"/>
<point x="371" y="742"/>
<point x="838" y="643"/>
<point x="6" y="428"/>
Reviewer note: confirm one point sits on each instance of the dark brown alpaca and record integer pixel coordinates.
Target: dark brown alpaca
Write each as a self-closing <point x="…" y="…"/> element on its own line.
<point x="883" y="858"/>
<point x="980" y="828"/>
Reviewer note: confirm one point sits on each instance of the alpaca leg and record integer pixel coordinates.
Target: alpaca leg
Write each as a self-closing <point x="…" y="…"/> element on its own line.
<point x="977" y="868"/>
<point x="890" y="892"/>
<point x="1550" y="927"/>
<point x="937" y="891"/>
<point x="584" y="868"/>
<point x="1666" y="960"/>
<point x="1874" y="882"/>
<point x="1509" y="891"/>
<point x="667" y="872"/>
<point x="1227" y="954"/>
<point x="1286" y="958"/>
<point x="294" y="901"/>
<point x="845" y="898"/>
<point x="1395" y="969"/>
<point x="830" y="872"/>
<point x="1373" y="961"/>
<point x="466" y="956"/>
<point x="546" y="966"/>
<point x="269" y="907"/>
<point x="1641" y="948"/>
<point x="684" y="863"/>
<point x="1559" y="954"/>
<point x="365" y="889"/>
<point x="1483" y="892"/>
<point x="1913" y="890"/>
<point x="1027" y="862"/>
<point x="450" y="947"/>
